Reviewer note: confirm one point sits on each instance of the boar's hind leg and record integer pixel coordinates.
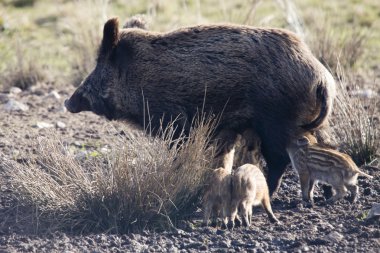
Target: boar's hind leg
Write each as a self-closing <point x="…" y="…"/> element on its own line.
<point x="273" y="149"/>
<point x="276" y="163"/>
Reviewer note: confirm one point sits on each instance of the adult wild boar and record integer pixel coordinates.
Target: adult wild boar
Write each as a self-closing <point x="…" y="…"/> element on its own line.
<point x="261" y="79"/>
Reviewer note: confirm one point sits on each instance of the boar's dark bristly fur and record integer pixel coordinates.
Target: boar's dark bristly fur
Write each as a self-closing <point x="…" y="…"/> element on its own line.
<point x="254" y="78"/>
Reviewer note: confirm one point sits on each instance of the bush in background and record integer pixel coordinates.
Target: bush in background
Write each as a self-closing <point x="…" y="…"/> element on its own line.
<point x="23" y="73"/>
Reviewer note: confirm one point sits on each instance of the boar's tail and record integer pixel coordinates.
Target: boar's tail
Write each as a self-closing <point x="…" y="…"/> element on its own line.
<point x="325" y="107"/>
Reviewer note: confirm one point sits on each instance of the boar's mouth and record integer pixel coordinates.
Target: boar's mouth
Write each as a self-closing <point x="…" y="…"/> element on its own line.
<point x="102" y="107"/>
<point x="77" y="104"/>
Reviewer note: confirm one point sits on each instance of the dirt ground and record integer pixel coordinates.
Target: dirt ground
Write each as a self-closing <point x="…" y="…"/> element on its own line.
<point x="338" y="228"/>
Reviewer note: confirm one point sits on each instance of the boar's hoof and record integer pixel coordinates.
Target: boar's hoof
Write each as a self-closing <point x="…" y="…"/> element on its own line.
<point x="308" y="204"/>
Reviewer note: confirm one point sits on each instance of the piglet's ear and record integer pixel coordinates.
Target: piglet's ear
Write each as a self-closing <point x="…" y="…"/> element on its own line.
<point x="110" y="36"/>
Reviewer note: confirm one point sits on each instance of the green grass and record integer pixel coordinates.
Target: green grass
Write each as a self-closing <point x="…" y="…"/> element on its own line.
<point x="48" y="30"/>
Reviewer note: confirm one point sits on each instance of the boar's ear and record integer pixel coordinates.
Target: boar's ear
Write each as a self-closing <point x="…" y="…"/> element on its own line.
<point x="110" y="36"/>
<point x="303" y="141"/>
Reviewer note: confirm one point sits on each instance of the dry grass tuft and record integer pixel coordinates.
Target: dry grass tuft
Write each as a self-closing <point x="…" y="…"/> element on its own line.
<point x="142" y="183"/>
<point x="24" y="76"/>
<point x="355" y="123"/>
<point x="24" y="72"/>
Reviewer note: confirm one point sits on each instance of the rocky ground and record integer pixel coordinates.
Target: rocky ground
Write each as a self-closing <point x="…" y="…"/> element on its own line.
<point x="25" y="115"/>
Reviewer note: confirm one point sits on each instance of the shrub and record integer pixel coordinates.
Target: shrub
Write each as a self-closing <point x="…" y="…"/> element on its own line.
<point x="142" y="183"/>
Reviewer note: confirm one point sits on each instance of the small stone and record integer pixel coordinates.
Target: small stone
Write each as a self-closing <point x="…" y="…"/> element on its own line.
<point x="374" y="212"/>
<point x="101" y="238"/>
<point x="62" y="109"/>
<point x="54" y="94"/>
<point x="194" y="245"/>
<point x="208" y="230"/>
<point x="15" y="90"/>
<point x="326" y="226"/>
<point x="42" y="124"/>
<point x="259" y="250"/>
<point x="135" y="236"/>
<point x="364" y="93"/>
<point x="238" y="243"/>
<point x="4" y="98"/>
<point x="81" y="156"/>
<point x="203" y="247"/>
<point x="319" y="241"/>
<point x="367" y="191"/>
<point x="37" y="91"/>
<point x="77" y="144"/>
<point x="220" y="232"/>
<point x="334" y="236"/>
<point x="364" y="235"/>
<point x="13" y="105"/>
<point x="60" y="124"/>
<point x="225" y="244"/>
<point x="90" y="241"/>
<point x="180" y="232"/>
<point x="172" y="249"/>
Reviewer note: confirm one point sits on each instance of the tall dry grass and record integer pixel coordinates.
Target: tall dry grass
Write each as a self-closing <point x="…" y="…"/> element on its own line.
<point x="142" y="183"/>
<point x="355" y="122"/>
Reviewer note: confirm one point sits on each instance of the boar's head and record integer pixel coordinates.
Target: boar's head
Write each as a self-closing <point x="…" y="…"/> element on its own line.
<point x="94" y="94"/>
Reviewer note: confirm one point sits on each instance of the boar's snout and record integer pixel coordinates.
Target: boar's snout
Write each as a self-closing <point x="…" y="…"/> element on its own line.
<point x="77" y="103"/>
